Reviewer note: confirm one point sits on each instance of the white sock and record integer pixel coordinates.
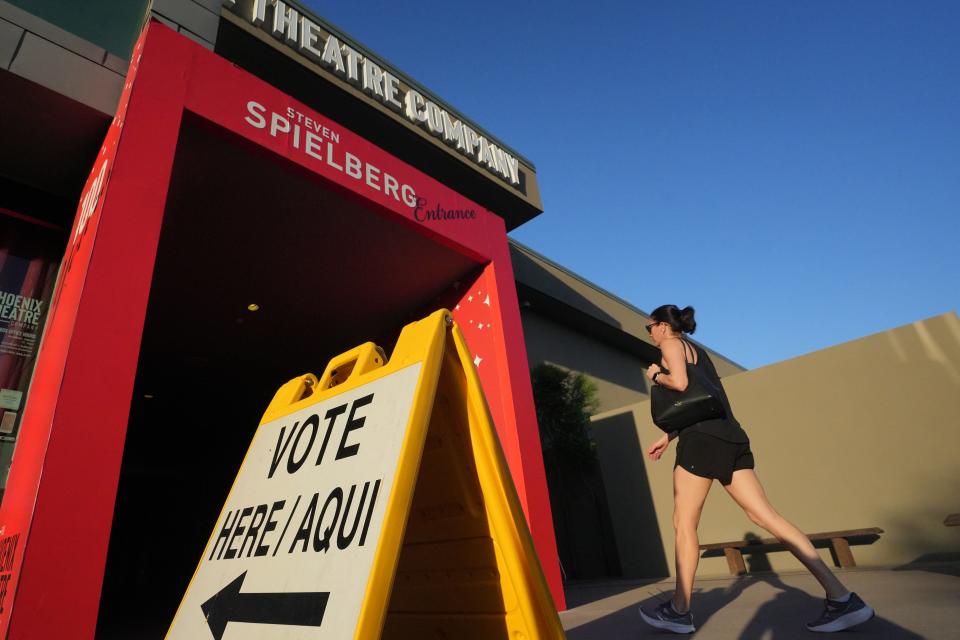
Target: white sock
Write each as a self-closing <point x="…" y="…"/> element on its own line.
<point x="842" y="599"/>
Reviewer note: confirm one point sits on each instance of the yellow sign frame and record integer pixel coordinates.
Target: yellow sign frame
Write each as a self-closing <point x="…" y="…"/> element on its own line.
<point x="454" y="556"/>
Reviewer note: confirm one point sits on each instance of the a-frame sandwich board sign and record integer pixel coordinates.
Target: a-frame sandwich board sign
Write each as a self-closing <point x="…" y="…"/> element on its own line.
<point x="374" y="502"/>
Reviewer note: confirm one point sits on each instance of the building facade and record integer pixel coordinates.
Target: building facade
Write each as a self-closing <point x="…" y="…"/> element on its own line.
<point x="170" y="166"/>
<point x="201" y="200"/>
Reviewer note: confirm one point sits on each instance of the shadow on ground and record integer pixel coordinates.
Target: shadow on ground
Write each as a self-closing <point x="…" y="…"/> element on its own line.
<point x="579" y="593"/>
<point x="946" y="563"/>
<point x="779" y="618"/>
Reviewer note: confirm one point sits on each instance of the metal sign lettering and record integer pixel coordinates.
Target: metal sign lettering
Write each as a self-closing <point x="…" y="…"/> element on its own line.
<point x="301" y="33"/>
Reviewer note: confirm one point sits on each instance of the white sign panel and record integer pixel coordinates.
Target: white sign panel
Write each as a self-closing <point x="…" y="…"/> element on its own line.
<point x="293" y="548"/>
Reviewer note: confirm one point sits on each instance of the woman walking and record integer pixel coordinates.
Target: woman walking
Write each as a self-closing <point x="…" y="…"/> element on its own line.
<point x="719" y="449"/>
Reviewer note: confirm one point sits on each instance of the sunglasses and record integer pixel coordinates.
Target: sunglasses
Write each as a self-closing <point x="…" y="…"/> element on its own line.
<point x="649" y="327"/>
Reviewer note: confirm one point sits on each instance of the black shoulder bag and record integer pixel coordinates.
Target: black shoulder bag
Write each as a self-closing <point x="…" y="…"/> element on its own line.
<point x="674" y="410"/>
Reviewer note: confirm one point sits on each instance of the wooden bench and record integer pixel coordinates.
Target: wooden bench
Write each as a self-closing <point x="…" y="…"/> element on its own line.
<point x="838" y="541"/>
<point x="952" y="520"/>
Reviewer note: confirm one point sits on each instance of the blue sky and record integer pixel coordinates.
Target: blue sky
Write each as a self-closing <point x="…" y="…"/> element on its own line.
<point x="791" y="169"/>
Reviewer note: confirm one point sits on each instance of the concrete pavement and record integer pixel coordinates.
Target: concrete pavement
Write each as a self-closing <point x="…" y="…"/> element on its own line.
<point x="918" y="601"/>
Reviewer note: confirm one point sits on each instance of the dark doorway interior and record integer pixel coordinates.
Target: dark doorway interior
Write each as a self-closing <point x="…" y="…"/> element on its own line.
<point x="242" y="227"/>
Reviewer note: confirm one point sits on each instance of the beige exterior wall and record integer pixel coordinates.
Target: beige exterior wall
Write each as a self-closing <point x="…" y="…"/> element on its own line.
<point x="863" y="434"/>
<point x="618" y="375"/>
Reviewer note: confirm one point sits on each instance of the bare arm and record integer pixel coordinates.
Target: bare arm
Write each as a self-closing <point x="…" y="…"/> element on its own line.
<point x="676" y="361"/>
<point x="658" y="448"/>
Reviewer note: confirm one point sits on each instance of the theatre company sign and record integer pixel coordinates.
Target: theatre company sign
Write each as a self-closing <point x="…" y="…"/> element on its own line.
<point x="303" y="34"/>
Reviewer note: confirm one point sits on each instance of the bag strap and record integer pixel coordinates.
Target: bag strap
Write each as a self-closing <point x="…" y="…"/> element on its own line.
<point x="693" y="354"/>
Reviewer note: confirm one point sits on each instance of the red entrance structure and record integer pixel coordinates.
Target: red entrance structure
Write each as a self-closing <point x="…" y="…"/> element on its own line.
<point x="187" y="118"/>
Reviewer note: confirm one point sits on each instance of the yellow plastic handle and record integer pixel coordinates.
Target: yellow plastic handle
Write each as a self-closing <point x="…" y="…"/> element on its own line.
<point x="355" y="362"/>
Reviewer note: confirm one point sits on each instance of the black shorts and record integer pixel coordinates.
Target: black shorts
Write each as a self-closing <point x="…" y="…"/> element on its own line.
<point x="710" y="457"/>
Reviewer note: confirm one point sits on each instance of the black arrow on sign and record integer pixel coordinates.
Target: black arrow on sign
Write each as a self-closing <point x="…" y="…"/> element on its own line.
<point x="229" y="605"/>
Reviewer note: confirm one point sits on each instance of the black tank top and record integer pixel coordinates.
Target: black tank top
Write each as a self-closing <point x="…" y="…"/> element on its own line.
<point x="728" y="428"/>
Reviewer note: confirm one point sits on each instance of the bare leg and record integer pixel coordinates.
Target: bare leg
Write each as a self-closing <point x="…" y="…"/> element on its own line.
<point x="747" y="491"/>
<point x="689" y="494"/>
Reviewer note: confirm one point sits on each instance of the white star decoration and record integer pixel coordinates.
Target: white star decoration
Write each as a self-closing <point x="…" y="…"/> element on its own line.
<point x="487" y="301"/>
<point x="479" y="325"/>
<point x="469" y="298"/>
<point x="456" y="308"/>
<point x="477" y="360"/>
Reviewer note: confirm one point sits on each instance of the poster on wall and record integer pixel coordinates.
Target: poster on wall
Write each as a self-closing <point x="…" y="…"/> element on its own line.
<point x="29" y="257"/>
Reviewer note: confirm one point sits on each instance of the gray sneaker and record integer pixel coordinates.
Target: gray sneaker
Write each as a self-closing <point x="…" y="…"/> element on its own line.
<point x="665" y="617"/>
<point x="837" y="616"/>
